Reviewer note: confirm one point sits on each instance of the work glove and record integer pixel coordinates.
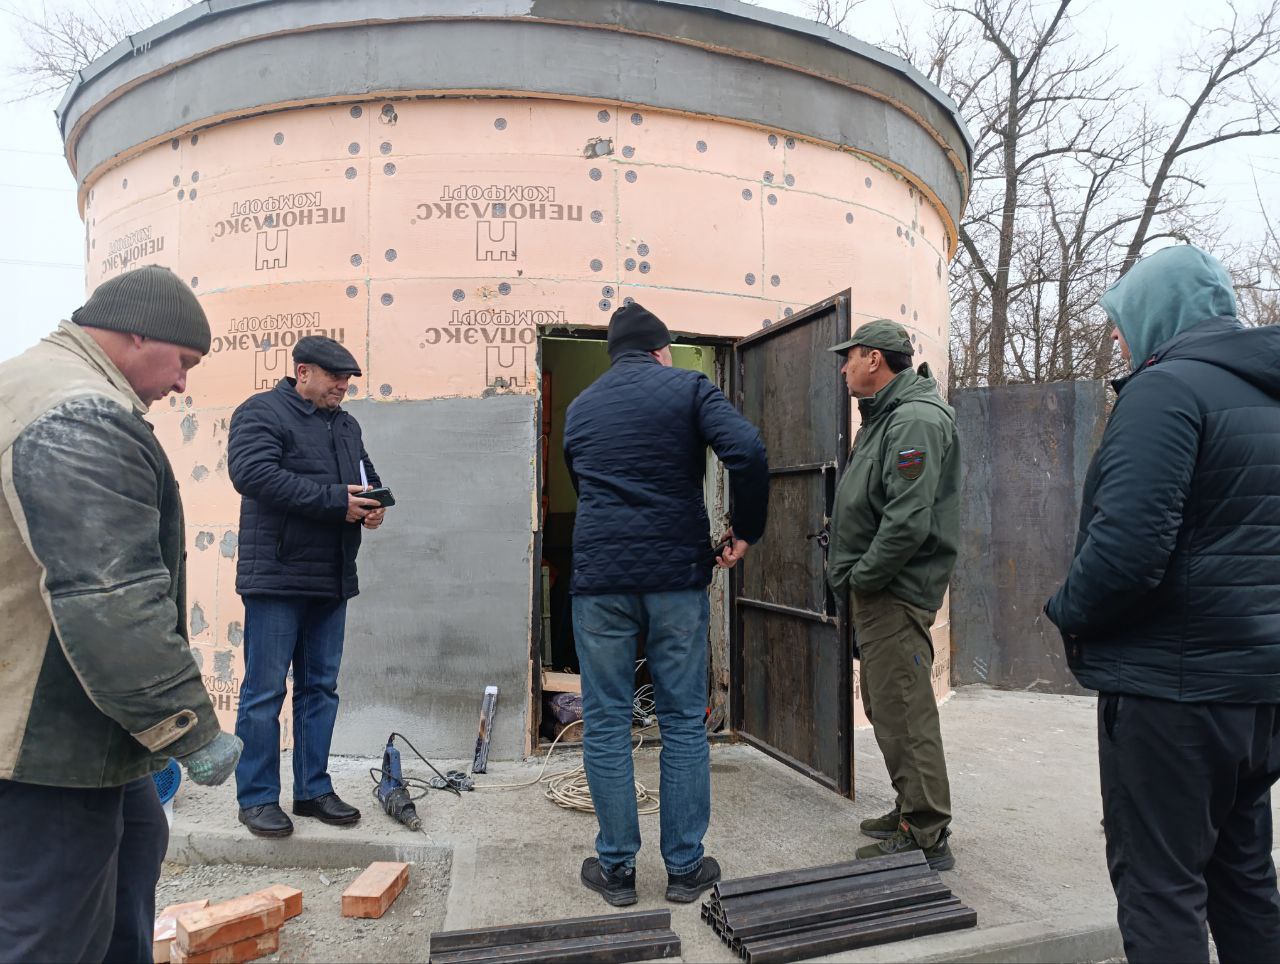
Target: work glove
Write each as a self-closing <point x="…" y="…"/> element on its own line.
<point x="214" y="762"/>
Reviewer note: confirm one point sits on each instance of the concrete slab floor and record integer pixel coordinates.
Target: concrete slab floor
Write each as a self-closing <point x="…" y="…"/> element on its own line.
<point x="1028" y="845"/>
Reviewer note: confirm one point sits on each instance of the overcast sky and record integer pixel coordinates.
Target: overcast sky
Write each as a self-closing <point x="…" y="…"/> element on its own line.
<point x="41" y="250"/>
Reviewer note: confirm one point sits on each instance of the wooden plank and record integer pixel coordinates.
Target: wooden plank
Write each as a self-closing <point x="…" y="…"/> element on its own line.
<point x="229" y="922"/>
<point x="291" y="897"/>
<point x="561" y="682"/>
<point x="166" y="928"/>
<point x="249" y="949"/>
<point x="370" y="894"/>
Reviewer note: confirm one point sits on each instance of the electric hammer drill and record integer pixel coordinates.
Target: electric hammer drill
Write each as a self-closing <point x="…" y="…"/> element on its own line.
<point x="392" y="792"/>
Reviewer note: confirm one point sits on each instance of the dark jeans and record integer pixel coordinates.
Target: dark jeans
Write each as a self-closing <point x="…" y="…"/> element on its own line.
<point x="607" y="629"/>
<point x="1186" y="799"/>
<point x="279" y="632"/>
<point x="78" y="871"/>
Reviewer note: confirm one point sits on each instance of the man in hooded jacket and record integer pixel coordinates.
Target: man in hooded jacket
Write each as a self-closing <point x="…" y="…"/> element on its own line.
<point x="1171" y="611"/>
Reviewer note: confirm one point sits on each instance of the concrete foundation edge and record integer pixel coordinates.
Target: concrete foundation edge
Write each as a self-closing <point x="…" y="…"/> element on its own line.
<point x="212" y="848"/>
<point x="1083" y="938"/>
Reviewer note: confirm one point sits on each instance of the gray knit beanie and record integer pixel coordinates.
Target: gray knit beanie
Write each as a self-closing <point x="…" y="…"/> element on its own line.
<point x="150" y="301"/>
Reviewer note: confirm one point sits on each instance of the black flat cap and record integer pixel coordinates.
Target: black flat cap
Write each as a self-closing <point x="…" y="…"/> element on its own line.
<point x="327" y="353"/>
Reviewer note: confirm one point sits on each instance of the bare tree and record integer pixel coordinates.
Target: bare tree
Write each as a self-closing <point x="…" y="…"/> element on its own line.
<point x="1033" y="103"/>
<point x="62" y="38"/>
<point x="833" y="13"/>
<point x="1258" y="277"/>
<point x="1073" y="175"/>
<point x="1222" y="100"/>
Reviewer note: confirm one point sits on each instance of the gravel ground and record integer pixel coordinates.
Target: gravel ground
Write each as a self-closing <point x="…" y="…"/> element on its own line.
<point x="321" y="933"/>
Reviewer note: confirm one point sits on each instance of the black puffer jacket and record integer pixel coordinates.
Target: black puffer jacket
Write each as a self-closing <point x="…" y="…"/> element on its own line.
<point x="292" y="462"/>
<point x="635" y="443"/>
<point x="1175" y="588"/>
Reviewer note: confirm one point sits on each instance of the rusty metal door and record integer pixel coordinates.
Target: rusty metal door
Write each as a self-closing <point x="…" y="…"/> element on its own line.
<point x="792" y="658"/>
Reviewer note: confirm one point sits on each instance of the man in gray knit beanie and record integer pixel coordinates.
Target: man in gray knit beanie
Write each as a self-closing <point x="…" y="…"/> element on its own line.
<point x="100" y="687"/>
<point x="143" y="319"/>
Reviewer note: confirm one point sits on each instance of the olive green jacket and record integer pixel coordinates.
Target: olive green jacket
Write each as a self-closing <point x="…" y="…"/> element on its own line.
<point x="896" y="521"/>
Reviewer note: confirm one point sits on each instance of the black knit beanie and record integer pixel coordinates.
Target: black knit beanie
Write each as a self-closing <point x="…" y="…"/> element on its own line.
<point x="634" y="328"/>
<point x="150" y="301"/>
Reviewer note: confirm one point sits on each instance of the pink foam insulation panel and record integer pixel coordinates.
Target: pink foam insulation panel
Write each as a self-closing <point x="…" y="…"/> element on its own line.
<point x="435" y="238"/>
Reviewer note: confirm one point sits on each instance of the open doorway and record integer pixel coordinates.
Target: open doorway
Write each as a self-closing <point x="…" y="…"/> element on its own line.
<point x="569" y="362"/>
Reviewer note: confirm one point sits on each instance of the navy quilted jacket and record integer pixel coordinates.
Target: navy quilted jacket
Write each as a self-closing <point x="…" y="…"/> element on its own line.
<point x="291" y="463"/>
<point x="635" y="443"/>
<point x="1175" y="588"/>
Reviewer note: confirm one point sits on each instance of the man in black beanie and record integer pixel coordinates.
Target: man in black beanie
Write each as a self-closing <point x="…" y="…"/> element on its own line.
<point x="635" y="444"/>
<point x="99" y="686"/>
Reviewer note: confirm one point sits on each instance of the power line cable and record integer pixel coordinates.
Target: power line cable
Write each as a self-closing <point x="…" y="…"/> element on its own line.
<point x="41" y="264"/>
<point x="40" y="187"/>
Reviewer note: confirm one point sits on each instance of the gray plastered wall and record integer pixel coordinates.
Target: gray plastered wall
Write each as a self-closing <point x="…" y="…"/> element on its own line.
<point x="444" y="605"/>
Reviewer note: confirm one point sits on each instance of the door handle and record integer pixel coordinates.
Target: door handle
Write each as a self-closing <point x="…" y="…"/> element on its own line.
<point x="823" y="537"/>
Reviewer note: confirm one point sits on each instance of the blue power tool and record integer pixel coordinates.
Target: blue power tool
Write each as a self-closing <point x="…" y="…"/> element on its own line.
<point x="392" y="792"/>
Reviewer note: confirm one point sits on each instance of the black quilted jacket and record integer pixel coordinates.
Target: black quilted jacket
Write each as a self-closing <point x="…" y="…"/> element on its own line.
<point x="635" y="443"/>
<point x="1175" y="588"/>
<point x="291" y="463"/>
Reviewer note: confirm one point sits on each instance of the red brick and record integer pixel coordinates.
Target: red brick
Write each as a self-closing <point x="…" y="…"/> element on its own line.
<point x="291" y="896"/>
<point x="249" y="949"/>
<point x="167" y="927"/>
<point x="229" y="922"/>
<point x="375" y="890"/>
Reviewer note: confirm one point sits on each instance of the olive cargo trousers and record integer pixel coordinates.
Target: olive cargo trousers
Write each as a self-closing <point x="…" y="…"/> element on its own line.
<point x="897" y="695"/>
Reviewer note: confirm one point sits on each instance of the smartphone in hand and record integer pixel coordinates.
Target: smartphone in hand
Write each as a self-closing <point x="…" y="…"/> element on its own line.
<point x="382" y="496"/>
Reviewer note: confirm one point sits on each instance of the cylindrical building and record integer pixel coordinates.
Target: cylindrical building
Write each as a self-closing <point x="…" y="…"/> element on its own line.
<point x="462" y="191"/>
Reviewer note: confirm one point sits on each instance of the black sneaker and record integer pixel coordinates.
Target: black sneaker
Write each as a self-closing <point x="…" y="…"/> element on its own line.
<point x="327" y="808"/>
<point x="882" y="828"/>
<point x="266" y="820"/>
<point x="618" y="888"/>
<point x="939" y="855"/>
<point x="686" y="888"/>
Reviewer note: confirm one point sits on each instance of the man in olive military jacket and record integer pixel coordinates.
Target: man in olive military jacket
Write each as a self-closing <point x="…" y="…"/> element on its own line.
<point x="894" y="532"/>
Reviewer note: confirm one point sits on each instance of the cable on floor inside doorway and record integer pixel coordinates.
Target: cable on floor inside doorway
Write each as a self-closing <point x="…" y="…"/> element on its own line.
<point x="568" y="788"/>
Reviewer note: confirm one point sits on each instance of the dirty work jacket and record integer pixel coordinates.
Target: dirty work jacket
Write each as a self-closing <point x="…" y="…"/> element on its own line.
<point x="1174" y="591"/>
<point x="896" y="521"/>
<point x="291" y="463"/>
<point x="97" y="683"/>
<point x="635" y="443"/>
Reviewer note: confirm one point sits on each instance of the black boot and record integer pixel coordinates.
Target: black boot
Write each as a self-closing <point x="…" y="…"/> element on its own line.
<point x="686" y="888"/>
<point x="266" y="820"/>
<point x="618" y="888"/>
<point x="327" y="808"/>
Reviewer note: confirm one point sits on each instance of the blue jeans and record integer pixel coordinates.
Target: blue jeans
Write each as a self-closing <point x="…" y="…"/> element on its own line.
<point x="277" y="632"/>
<point x="606" y="630"/>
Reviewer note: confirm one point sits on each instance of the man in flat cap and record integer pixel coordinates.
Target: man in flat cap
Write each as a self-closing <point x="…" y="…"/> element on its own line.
<point x="98" y="688"/>
<point x="299" y="464"/>
<point x="894" y="532"/>
<point x="635" y="443"/>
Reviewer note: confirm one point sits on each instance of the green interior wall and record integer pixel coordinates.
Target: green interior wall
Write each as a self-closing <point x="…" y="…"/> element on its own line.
<point x="573" y="364"/>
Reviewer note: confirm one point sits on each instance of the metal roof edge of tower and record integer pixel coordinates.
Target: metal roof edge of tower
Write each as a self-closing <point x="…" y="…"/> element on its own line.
<point x="724" y="27"/>
<point x="140" y="43"/>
